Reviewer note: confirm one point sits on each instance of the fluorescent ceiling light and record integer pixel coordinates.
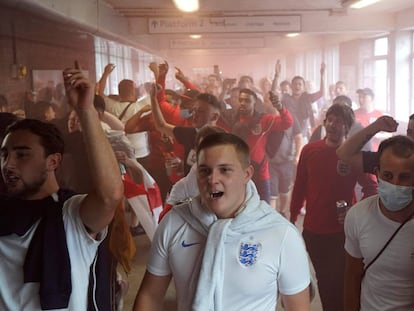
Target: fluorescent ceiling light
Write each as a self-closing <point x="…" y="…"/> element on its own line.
<point x="195" y="36"/>
<point x="187" y="5"/>
<point x="363" y="3"/>
<point x="293" y="34"/>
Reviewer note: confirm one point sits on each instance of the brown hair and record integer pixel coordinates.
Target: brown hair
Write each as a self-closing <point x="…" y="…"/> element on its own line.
<point x="219" y="139"/>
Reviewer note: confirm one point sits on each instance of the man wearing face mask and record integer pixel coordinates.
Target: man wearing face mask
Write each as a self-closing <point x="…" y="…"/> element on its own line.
<point x="379" y="232"/>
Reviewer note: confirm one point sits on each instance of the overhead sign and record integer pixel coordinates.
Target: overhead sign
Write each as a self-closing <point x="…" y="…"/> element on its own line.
<point x="191" y="25"/>
<point x="217" y="43"/>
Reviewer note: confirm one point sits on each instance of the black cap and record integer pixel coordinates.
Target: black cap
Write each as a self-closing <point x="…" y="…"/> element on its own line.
<point x="366" y="91"/>
<point x="189" y="95"/>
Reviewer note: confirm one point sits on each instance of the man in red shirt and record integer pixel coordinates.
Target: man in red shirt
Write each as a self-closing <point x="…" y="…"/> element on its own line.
<point x="254" y="128"/>
<point x="321" y="184"/>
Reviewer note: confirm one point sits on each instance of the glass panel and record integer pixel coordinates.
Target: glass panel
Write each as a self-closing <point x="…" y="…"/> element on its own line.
<point x="381" y="85"/>
<point x="130" y="63"/>
<point x="381" y="47"/>
<point x="412" y="41"/>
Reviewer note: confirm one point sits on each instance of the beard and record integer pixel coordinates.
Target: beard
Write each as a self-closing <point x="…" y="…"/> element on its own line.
<point x="27" y="189"/>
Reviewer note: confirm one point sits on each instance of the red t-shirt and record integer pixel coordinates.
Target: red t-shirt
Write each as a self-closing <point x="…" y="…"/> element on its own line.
<point x="319" y="185"/>
<point x="258" y="136"/>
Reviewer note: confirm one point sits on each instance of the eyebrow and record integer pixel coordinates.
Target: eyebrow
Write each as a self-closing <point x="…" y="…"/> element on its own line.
<point x="219" y="165"/>
<point x="226" y="164"/>
<point x="21" y="148"/>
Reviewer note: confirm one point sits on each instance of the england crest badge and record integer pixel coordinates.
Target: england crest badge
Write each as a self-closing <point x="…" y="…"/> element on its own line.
<point x="249" y="253"/>
<point x="257" y="129"/>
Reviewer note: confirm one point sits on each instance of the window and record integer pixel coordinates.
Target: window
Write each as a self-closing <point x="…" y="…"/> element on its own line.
<point x="381" y="84"/>
<point x="375" y="71"/>
<point x="130" y="63"/>
<point x="308" y="65"/>
<point x="381" y="47"/>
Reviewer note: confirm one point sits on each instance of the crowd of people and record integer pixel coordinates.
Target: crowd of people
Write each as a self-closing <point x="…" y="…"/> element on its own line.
<point x="217" y="176"/>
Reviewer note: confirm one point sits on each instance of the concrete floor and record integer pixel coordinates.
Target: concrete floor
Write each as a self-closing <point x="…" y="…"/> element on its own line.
<point x="138" y="268"/>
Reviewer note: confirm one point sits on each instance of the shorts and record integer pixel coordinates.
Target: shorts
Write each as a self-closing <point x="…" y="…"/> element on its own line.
<point x="281" y="177"/>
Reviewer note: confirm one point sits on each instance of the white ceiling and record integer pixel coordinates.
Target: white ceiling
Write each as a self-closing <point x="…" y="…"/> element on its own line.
<point x="321" y="22"/>
<point x="154" y="7"/>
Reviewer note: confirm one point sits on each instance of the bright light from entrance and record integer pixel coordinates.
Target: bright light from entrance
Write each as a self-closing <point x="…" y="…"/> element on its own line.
<point x="187" y="5"/>
<point x="292" y="35"/>
<point x="195" y="36"/>
<point x="363" y="3"/>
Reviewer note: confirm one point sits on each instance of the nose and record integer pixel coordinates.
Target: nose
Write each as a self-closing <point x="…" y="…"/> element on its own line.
<point x="213" y="178"/>
<point x="7" y="161"/>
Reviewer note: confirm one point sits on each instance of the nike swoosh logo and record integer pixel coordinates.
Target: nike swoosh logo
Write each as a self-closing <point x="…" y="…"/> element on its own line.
<point x="183" y="244"/>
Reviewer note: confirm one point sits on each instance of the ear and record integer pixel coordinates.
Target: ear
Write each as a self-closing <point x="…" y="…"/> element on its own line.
<point x="215" y="117"/>
<point x="249" y="173"/>
<point x="53" y="161"/>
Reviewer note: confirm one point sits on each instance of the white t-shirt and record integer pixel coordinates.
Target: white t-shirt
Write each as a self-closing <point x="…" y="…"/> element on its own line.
<point x="389" y="282"/>
<point x="281" y="263"/>
<point x="16" y="295"/>
<point x="116" y="107"/>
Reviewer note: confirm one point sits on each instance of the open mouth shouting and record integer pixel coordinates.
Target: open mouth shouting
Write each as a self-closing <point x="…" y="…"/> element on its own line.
<point x="216" y="194"/>
<point x="11" y="179"/>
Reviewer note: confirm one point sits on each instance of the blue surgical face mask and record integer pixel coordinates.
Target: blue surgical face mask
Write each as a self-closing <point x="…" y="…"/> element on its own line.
<point x="394" y="197"/>
<point x="186" y="113"/>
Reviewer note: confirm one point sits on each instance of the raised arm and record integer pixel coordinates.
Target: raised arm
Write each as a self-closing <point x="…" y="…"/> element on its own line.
<point x="315" y="96"/>
<point x="160" y="75"/>
<point x="160" y="124"/>
<point x="113" y="122"/>
<point x="97" y="209"/>
<point x="225" y="90"/>
<point x="169" y="113"/>
<point x="179" y="75"/>
<point x="102" y="81"/>
<point x="350" y="150"/>
<point x="275" y="82"/>
<point x="133" y="123"/>
<point x="285" y="119"/>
